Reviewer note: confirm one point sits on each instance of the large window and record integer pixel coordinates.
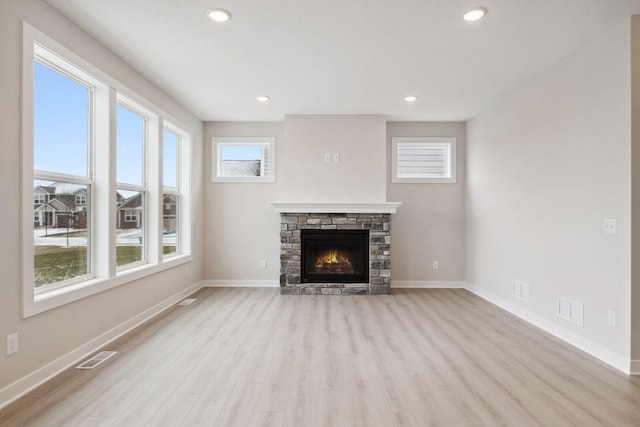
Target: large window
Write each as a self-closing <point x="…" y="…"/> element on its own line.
<point x="105" y="180"/>
<point x="171" y="193"/>
<point x="131" y="134"/>
<point x="62" y="118"/>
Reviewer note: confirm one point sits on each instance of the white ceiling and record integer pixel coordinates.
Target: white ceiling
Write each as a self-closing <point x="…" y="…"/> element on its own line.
<point x="342" y="56"/>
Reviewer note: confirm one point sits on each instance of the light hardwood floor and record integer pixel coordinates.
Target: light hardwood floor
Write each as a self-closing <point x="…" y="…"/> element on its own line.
<point x="250" y="357"/>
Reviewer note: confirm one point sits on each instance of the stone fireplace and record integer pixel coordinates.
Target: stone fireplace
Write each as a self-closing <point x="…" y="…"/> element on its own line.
<point x="335" y="249"/>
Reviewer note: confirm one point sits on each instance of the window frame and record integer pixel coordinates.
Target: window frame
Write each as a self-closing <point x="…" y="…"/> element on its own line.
<point x="217" y="143"/>
<point x="56" y="63"/>
<point x="449" y="142"/>
<point x="141" y="188"/>
<point x="101" y="185"/>
<point x="177" y="191"/>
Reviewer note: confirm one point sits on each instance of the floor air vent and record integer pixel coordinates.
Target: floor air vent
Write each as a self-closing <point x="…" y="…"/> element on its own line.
<point x="96" y="360"/>
<point x="187" y="301"/>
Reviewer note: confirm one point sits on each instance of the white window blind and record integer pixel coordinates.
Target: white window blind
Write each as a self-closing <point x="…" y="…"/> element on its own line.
<point x="266" y="160"/>
<point x="423" y="160"/>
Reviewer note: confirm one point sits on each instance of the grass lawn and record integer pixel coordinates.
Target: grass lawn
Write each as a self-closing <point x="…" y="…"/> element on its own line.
<point x="54" y="263"/>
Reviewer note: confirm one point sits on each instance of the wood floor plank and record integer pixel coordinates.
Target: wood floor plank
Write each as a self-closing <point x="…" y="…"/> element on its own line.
<point x="250" y="357"/>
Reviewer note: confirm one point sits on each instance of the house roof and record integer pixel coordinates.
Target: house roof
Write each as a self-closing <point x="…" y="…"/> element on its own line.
<point x="67" y="188"/>
<point x="58" y="205"/>
<point x="132" y="202"/>
<point x="241" y="167"/>
<point x="44" y="189"/>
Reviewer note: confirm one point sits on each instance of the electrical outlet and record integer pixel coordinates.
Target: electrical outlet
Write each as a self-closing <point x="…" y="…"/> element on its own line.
<point x="436" y="265"/>
<point x="336" y="157"/>
<point x="263" y="263"/>
<point x="611" y="318"/>
<point x="12" y="343"/>
<point x="327" y="157"/>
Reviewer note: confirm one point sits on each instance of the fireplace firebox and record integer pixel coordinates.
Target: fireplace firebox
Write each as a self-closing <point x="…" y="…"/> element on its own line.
<point x="334" y="256"/>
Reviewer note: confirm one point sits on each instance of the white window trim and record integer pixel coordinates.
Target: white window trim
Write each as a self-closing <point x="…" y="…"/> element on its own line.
<point x="105" y="276"/>
<point x="449" y="141"/>
<point x="142" y="188"/>
<point x="216" y="165"/>
<point x="183" y="192"/>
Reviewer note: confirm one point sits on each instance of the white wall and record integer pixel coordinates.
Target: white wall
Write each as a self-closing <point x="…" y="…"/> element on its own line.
<point x="544" y="168"/>
<point x="241" y="227"/>
<point x="359" y="176"/>
<point x="429" y="226"/>
<point x="50" y="335"/>
<point x="635" y="161"/>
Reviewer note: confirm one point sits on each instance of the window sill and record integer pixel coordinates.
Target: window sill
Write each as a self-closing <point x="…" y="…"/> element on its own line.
<point x="244" y="179"/>
<point x="396" y="180"/>
<point x="59" y="297"/>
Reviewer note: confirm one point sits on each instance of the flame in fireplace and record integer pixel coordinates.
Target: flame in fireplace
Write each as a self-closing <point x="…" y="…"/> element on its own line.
<point x="332" y="257"/>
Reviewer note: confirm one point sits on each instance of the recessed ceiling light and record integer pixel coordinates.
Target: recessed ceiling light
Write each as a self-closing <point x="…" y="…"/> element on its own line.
<point x="475" y="14"/>
<point x="410" y="98"/>
<point x="219" y="15"/>
<point x="263" y="98"/>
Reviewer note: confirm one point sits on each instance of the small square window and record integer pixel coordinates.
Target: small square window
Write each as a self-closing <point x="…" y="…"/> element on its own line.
<point x="131" y="216"/>
<point x="423" y="160"/>
<point x="243" y="160"/>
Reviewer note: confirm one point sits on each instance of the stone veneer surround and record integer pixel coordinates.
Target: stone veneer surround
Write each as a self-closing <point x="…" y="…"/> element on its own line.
<point x="379" y="226"/>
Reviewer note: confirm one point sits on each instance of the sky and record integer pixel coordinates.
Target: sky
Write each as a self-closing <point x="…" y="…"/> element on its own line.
<point x="241" y="152"/>
<point x="60" y="123"/>
<point x="61" y="132"/>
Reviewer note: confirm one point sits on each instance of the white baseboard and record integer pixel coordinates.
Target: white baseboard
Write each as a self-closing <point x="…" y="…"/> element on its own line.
<point x="634" y="367"/>
<point x="596" y="350"/>
<point x="427" y="284"/>
<point x="241" y="283"/>
<point x="276" y="283"/>
<point x="24" y="385"/>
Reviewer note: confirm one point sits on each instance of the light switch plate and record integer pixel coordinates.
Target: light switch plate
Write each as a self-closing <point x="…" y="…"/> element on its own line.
<point x="610" y="226"/>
